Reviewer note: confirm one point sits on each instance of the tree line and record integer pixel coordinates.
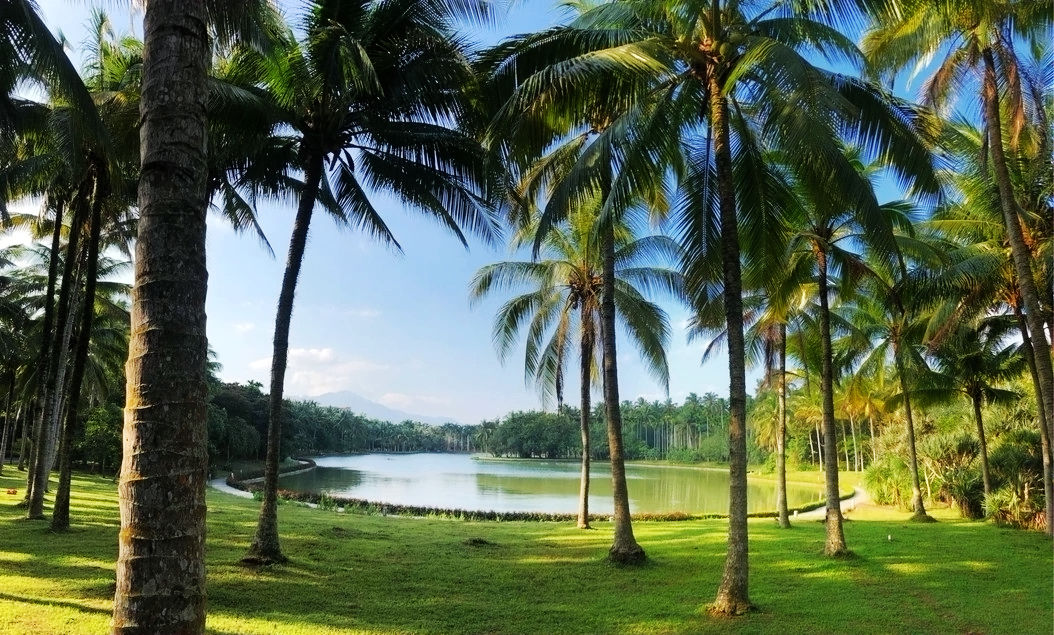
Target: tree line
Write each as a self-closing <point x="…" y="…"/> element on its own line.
<point x="705" y="152"/>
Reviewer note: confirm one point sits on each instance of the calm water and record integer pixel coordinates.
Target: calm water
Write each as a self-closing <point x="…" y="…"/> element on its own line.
<point x="462" y="482"/>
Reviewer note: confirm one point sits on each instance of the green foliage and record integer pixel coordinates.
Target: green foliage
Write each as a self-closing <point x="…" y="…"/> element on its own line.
<point x="888" y="481"/>
<point x="101" y="443"/>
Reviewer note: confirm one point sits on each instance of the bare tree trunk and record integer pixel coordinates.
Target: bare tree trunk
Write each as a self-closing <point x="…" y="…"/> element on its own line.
<point x="913" y="461"/>
<point x="586" y="379"/>
<point x="161" y="557"/>
<point x="1019" y="252"/>
<point x="42" y="443"/>
<point x="624" y="547"/>
<point x="733" y="597"/>
<point x="857" y="462"/>
<point x="265" y="548"/>
<point x="834" y="545"/>
<point x="845" y="447"/>
<point x="8" y="427"/>
<point x="781" y="436"/>
<point x="60" y="517"/>
<point x="986" y="475"/>
<point x="23" y="450"/>
<point x="874" y="445"/>
<point x="1044" y="423"/>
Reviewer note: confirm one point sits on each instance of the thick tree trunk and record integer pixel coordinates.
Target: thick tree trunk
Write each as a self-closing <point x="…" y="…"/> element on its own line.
<point x="834" y="545"/>
<point x="913" y="460"/>
<point x="733" y="596"/>
<point x="586" y="380"/>
<point x="624" y="547"/>
<point x="781" y="436"/>
<point x="1019" y="252"/>
<point x="985" y="474"/>
<point x="265" y="548"/>
<point x="1044" y="424"/>
<point x="60" y="517"/>
<point x="161" y="558"/>
<point x="54" y="375"/>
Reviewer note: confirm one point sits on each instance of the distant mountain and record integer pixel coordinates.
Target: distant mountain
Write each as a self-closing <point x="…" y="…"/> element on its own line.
<point x="363" y="406"/>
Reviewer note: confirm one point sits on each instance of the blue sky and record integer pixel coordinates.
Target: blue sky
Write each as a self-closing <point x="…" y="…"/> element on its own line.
<point x="395" y="328"/>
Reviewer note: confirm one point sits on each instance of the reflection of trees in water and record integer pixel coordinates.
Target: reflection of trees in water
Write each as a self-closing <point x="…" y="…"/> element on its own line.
<point x="651" y="489"/>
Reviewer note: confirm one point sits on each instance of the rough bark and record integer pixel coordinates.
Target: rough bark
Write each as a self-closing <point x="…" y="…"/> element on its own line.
<point x="161" y="556"/>
<point x="733" y="597"/>
<point x="265" y="547"/>
<point x="624" y="547"/>
<point x="781" y="437"/>
<point x="985" y="474"/>
<point x="913" y="460"/>
<point x="586" y="377"/>
<point x="60" y="516"/>
<point x="43" y="439"/>
<point x="834" y="544"/>
<point x="1019" y="252"/>
<point x="1044" y="423"/>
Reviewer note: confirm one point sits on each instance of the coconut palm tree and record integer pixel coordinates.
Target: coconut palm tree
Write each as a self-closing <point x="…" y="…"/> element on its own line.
<point x="973" y="360"/>
<point x="563" y="305"/>
<point x="980" y="37"/>
<point x="370" y="92"/>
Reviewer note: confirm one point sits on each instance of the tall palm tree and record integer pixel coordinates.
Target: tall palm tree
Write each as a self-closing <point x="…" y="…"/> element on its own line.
<point x="370" y="93"/>
<point x="563" y="305"/>
<point x="686" y="66"/>
<point x="980" y="36"/>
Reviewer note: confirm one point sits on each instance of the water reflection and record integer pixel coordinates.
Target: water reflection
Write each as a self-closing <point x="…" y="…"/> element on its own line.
<point x="464" y="482"/>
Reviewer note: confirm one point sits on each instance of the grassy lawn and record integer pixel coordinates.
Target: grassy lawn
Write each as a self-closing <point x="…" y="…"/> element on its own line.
<point x="356" y="573"/>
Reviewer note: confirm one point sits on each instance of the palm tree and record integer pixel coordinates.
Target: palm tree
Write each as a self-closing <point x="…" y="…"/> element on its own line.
<point x="972" y="361"/>
<point x="563" y="305"/>
<point x="161" y="557"/>
<point x="980" y="36"/>
<point x="881" y="318"/>
<point x="370" y="94"/>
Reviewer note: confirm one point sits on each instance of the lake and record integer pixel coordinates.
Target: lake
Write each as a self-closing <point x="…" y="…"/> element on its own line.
<point x="462" y="481"/>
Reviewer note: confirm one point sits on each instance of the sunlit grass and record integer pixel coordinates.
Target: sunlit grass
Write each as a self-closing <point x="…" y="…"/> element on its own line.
<point x="353" y="573"/>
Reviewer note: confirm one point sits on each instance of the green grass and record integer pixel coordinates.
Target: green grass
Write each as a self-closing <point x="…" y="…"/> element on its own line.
<point x="356" y="573"/>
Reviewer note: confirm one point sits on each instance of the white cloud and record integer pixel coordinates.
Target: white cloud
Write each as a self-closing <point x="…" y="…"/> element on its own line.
<point x="315" y="371"/>
<point x="244" y="327"/>
<point x="365" y="313"/>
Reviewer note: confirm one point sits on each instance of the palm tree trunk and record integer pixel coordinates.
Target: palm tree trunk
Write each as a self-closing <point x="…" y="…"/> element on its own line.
<point x="42" y="442"/>
<point x="45" y="347"/>
<point x="60" y="517"/>
<point x="161" y="556"/>
<point x="265" y="548"/>
<point x="874" y="447"/>
<point x="913" y="460"/>
<point x="1044" y="423"/>
<point x="985" y="474"/>
<point x="733" y="596"/>
<point x="586" y="377"/>
<point x="23" y="450"/>
<point x="624" y="547"/>
<point x="834" y="545"/>
<point x="1018" y="249"/>
<point x="781" y="436"/>
<point x="8" y="427"/>
<point x="858" y="462"/>
<point x="845" y="447"/>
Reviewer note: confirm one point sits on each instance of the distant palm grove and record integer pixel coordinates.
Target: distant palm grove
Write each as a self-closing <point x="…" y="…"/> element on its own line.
<point x="882" y="260"/>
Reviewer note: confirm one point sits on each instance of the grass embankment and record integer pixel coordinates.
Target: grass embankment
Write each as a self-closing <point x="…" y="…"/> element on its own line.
<point x="356" y="573"/>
